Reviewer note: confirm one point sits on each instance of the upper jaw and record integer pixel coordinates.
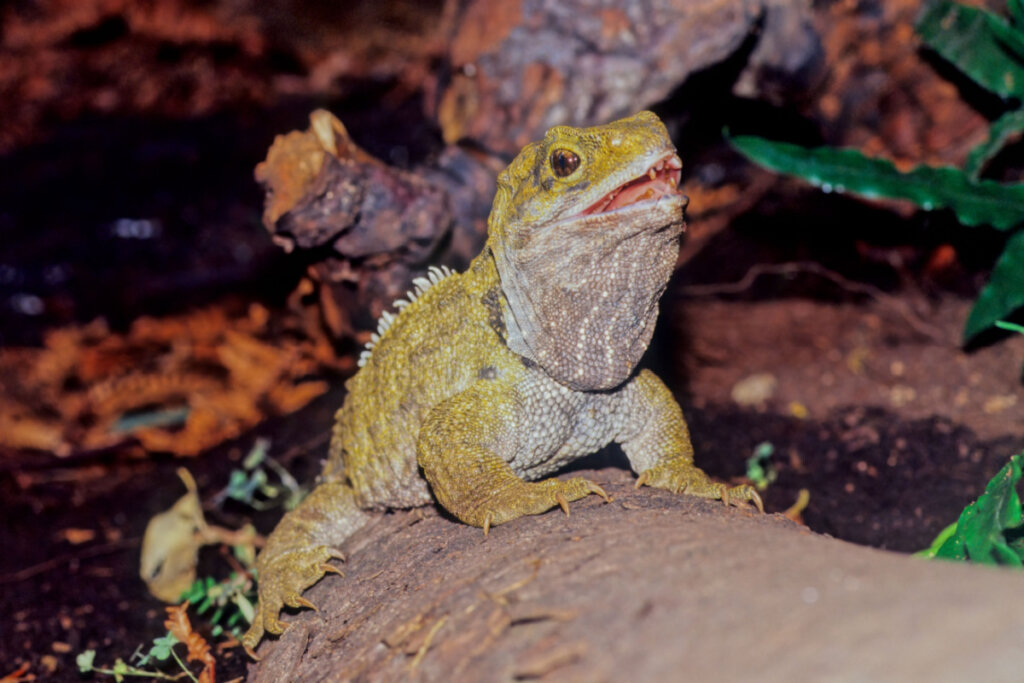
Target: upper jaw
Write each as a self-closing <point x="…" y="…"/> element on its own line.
<point x="659" y="178"/>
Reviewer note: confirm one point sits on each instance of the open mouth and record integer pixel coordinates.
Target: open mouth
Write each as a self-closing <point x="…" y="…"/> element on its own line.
<point x="660" y="180"/>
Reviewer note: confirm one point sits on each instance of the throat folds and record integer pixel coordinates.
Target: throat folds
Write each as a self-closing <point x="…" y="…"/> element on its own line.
<point x="583" y="298"/>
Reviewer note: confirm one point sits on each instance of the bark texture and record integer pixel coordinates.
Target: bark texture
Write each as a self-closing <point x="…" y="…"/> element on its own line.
<point x="650" y="587"/>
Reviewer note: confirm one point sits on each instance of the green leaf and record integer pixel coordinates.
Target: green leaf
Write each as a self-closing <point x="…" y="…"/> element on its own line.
<point x="997" y="509"/>
<point x="84" y="660"/>
<point x="981" y="44"/>
<point x="940" y="540"/>
<point x="257" y="454"/>
<point x="1017" y="13"/>
<point x="120" y="670"/>
<point x="194" y="592"/>
<point x="245" y="607"/>
<point x="759" y="466"/>
<point x="953" y="547"/>
<point x="1004" y="292"/>
<point x="1012" y="327"/>
<point x="1003" y="130"/>
<point x="160" y="650"/>
<point x="988" y="529"/>
<point x="164" y="417"/>
<point x="930" y="187"/>
<point x="162" y="646"/>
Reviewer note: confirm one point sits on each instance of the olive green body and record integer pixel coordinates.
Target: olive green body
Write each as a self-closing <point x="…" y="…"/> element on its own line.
<point x="488" y="381"/>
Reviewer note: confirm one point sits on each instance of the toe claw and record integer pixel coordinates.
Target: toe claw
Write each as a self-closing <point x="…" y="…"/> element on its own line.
<point x="283" y="578"/>
<point x="642" y="479"/>
<point x="562" y="503"/>
<point x="594" y="488"/>
<point x="757" y="500"/>
<point x="253" y="636"/>
<point x="330" y="569"/>
<point x="725" y="496"/>
<point x="300" y="601"/>
<point x="487" y="522"/>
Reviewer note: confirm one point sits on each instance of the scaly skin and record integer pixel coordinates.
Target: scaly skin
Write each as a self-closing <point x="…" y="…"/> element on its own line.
<point x="490" y="380"/>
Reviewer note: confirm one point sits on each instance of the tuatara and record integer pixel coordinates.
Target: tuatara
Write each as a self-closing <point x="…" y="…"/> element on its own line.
<point x="488" y="381"/>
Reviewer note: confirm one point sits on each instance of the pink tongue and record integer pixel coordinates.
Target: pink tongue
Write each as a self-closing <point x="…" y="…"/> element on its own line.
<point x="638" y="192"/>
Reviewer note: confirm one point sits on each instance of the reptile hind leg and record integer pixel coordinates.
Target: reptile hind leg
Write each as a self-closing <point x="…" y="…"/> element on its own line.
<point x="296" y="554"/>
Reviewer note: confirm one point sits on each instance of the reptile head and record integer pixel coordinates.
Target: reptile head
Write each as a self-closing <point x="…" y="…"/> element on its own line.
<point x="585" y="233"/>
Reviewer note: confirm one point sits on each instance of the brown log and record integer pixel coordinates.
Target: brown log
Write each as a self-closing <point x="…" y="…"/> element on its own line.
<point x="521" y="66"/>
<point x="651" y="587"/>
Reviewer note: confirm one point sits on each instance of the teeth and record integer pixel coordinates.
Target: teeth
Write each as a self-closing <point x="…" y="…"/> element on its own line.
<point x="674" y="162"/>
<point x="671" y="180"/>
<point x="652" y="174"/>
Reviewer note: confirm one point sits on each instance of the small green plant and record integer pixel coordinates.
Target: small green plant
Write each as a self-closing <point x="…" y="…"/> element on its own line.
<point x="161" y="651"/>
<point x="231" y="601"/>
<point x="227" y="606"/>
<point x="252" y="485"/>
<point x="991" y="529"/>
<point x="150" y="665"/>
<point x="759" y="466"/>
<point x="990" y="50"/>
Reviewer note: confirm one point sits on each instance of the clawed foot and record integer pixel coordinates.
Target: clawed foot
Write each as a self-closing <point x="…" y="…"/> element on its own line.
<point x="534" y="498"/>
<point x="282" y="579"/>
<point x="686" y="478"/>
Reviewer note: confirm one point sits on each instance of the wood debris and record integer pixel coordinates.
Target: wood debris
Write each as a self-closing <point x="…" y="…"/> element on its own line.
<point x="179" y="384"/>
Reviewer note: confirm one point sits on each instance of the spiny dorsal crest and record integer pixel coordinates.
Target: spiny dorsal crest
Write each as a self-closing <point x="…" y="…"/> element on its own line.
<point x="419" y="286"/>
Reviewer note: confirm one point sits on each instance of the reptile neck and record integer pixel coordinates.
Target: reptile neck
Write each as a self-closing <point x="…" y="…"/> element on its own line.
<point x="482" y="273"/>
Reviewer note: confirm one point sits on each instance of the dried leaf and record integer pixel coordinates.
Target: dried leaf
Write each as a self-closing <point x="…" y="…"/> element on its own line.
<point x="170" y="546"/>
<point x="180" y="384"/>
<point x="18" y="675"/>
<point x="178" y="624"/>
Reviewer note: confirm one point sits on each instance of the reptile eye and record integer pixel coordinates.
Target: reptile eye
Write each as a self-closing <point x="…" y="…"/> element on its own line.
<point x="564" y="162"/>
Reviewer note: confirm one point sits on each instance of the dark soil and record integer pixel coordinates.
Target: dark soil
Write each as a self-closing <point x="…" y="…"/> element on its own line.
<point x="64" y="597"/>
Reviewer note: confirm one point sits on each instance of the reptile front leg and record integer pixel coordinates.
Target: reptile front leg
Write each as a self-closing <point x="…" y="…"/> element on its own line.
<point x="656" y="440"/>
<point x="458" y="450"/>
<point x="296" y="554"/>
